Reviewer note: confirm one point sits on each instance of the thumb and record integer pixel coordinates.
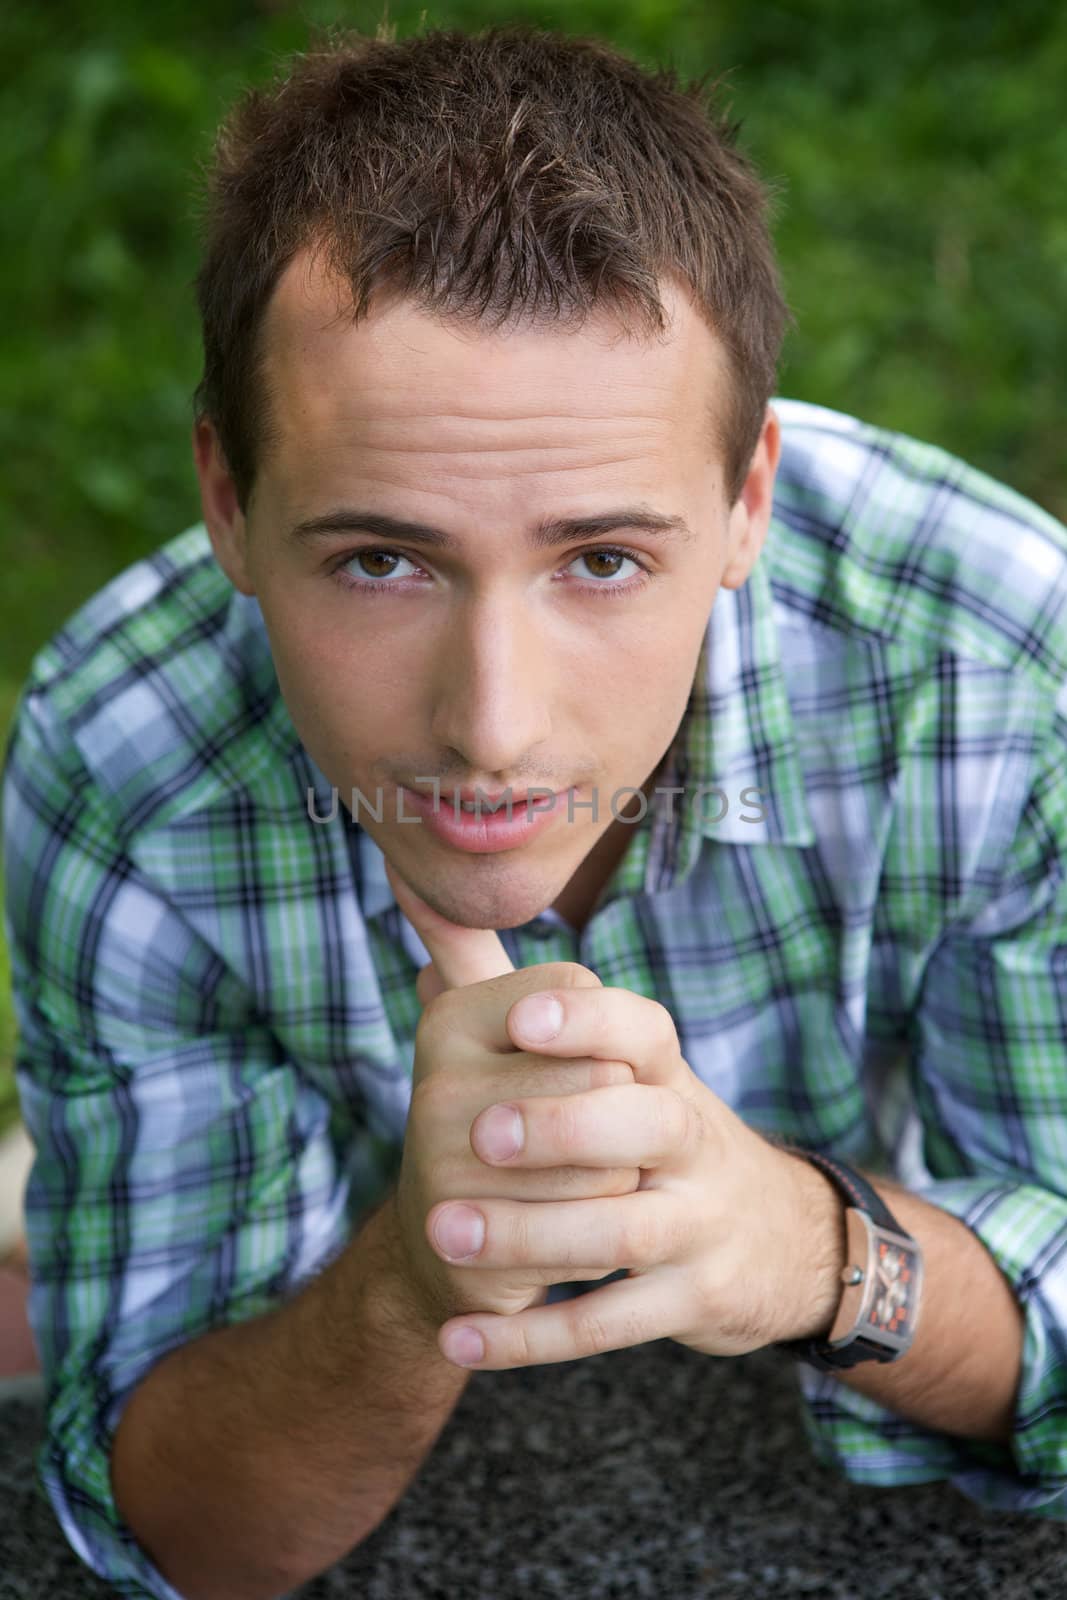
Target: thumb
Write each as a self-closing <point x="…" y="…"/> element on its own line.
<point x="459" y="955"/>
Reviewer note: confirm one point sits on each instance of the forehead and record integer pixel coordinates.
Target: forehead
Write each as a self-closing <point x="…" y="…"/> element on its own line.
<point x="401" y="362"/>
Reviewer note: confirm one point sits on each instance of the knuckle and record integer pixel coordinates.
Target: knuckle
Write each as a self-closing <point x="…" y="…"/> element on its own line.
<point x="573" y="1181"/>
<point x="674" y="1119"/>
<point x="430" y="1028"/>
<point x="423" y="1034"/>
<point x="622" y="1180"/>
<point x="551" y="975"/>
<point x="664" y="1022"/>
<point x="565" y="1125"/>
<point x="599" y="1013"/>
<point x="610" y="1074"/>
<point x="639" y="1239"/>
<point x="522" y="1354"/>
<point x="420" y="1107"/>
<point x="573" y="1250"/>
<point x="590" y="1331"/>
<point x="521" y="1227"/>
<point x="432" y="1100"/>
<point x="579" y="977"/>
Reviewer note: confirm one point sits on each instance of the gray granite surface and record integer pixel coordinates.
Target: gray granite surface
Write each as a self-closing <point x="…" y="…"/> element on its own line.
<point x="652" y="1471"/>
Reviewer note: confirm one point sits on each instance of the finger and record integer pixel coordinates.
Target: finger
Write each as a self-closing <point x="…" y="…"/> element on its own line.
<point x="459" y="955"/>
<point x="523" y="1074"/>
<point x="604" y="1021"/>
<point x="462" y="957"/>
<point x="635" y="1125"/>
<point x="640" y="1229"/>
<point x="628" y="1312"/>
<point x="476" y="1012"/>
<point x="428" y="984"/>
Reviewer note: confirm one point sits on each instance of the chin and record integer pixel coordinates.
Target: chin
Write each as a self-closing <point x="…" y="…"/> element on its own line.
<point x="474" y="902"/>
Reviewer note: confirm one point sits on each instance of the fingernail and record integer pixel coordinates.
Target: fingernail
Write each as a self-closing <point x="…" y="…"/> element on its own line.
<point x="539" y="1017"/>
<point x="502" y="1134"/>
<point x="460" y="1232"/>
<point x="464" y="1346"/>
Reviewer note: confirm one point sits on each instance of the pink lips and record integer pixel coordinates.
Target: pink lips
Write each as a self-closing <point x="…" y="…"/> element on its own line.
<point x="484" y="831"/>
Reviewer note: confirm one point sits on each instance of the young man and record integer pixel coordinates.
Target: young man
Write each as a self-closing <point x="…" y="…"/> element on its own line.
<point x="793" y="689"/>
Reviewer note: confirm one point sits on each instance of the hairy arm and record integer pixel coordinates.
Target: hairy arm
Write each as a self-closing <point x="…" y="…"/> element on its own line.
<point x="253" y="1458"/>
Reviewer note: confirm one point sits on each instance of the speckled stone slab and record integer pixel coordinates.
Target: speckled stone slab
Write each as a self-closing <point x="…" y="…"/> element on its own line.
<point x="652" y="1471"/>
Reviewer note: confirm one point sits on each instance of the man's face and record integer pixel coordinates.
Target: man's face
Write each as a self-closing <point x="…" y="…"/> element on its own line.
<point x="493" y="662"/>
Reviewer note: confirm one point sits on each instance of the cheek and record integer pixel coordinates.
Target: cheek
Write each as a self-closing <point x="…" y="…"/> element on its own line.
<point x="313" y="650"/>
<point x="662" y="657"/>
<point x="353" y="704"/>
<point x="667" y="671"/>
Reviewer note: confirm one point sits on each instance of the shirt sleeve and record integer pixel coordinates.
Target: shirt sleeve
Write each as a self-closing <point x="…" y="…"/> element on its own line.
<point x="988" y="1072"/>
<point x="184" y="1175"/>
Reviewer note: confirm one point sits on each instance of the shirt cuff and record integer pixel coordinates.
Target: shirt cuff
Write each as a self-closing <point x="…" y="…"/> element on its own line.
<point x="1024" y="1228"/>
<point x="74" y="1466"/>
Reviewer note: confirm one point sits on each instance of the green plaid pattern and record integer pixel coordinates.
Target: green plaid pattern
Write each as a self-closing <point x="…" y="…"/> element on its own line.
<point x="215" y="993"/>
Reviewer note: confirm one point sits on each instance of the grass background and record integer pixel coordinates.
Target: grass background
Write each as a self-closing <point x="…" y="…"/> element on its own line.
<point x="921" y="230"/>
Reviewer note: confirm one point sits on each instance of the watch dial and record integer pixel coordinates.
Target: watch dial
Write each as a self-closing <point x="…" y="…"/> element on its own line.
<point x="895" y="1272"/>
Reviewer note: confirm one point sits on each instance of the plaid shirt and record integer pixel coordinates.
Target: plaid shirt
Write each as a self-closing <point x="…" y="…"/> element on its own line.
<point x="215" y="991"/>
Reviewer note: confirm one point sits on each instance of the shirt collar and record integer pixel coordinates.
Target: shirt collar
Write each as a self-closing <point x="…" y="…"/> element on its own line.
<point x="738" y="731"/>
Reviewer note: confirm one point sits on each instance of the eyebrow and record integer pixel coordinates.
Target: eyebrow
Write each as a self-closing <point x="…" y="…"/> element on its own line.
<point x="546" y="534"/>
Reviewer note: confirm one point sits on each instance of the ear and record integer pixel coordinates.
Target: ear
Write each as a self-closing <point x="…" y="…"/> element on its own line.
<point x="223" y="517"/>
<point x="750" y="517"/>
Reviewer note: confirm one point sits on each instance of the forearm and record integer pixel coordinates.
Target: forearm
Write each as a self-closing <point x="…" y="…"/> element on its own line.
<point x="962" y="1372"/>
<point x="251" y="1459"/>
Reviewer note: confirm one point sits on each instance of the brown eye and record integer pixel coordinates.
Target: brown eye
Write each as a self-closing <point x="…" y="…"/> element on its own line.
<point x="593" y="556"/>
<point x="375" y="555"/>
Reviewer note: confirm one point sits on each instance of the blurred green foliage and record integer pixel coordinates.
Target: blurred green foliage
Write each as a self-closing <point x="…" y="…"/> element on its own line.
<point x="921" y="228"/>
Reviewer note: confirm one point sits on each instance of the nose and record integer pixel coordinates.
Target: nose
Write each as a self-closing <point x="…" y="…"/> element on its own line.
<point x="493" y="684"/>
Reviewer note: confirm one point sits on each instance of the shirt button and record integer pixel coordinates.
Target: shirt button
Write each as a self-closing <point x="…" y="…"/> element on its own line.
<point x="539" y="929"/>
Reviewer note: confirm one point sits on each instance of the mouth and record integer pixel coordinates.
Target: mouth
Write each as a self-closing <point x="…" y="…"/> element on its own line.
<point x="467" y="799"/>
<point x="484" y="825"/>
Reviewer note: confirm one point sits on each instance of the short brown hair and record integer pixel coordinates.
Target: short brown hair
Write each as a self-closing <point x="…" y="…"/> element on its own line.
<point x="512" y="175"/>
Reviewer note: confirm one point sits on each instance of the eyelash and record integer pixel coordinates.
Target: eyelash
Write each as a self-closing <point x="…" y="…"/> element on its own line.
<point x="365" y="586"/>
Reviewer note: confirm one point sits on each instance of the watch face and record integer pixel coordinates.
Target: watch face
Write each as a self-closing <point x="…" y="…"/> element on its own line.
<point x="894" y="1288"/>
<point x="884" y="1272"/>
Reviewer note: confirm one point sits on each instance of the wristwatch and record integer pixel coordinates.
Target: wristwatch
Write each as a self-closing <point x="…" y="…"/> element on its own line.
<point x="883" y="1275"/>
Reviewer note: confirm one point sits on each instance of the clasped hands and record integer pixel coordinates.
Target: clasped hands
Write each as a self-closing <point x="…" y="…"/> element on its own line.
<point x="709" y="1237"/>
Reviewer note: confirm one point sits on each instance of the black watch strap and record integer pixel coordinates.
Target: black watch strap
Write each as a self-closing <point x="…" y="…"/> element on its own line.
<point x="856" y="1191"/>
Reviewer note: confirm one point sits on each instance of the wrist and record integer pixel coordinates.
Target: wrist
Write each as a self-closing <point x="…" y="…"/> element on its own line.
<point x="817" y="1254"/>
<point x="393" y="1302"/>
